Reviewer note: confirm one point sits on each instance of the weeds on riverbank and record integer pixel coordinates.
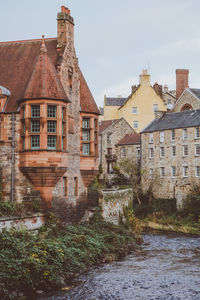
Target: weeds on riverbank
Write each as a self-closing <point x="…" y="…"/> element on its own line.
<point x="53" y="256"/>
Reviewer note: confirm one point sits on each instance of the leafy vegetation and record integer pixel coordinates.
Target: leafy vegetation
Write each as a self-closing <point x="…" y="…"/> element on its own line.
<point x="19" y="209"/>
<point x="53" y="256"/>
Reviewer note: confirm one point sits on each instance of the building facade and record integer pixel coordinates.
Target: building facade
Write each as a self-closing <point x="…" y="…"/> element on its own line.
<point x="170" y="154"/>
<point x="129" y="147"/>
<point x="49" y="121"/>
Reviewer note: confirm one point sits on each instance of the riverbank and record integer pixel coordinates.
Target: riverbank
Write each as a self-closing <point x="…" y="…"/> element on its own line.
<point x="49" y="259"/>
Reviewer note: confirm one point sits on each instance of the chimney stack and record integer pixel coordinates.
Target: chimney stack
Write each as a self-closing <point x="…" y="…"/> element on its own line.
<point x="65" y="27"/>
<point x="181" y="81"/>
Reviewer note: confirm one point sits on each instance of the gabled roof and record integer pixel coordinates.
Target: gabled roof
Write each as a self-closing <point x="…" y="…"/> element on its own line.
<point x="44" y="81"/>
<point x="103" y="125"/>
<point x="87" y="102"/>
<point x="17" y="60"/>
<point x="129" y="139"/>
<point x="134" y="89"/>
<point x="114" y="101"/>
<point x="172" y="120"/>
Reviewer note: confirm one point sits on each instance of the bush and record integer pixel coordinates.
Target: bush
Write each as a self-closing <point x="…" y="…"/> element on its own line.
<point x="191" y="204"/>
<point x="19" y="209"/>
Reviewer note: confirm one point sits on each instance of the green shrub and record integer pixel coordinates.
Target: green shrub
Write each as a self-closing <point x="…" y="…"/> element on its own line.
<point x="19" y="209"/>
<point x="191" y="204"/>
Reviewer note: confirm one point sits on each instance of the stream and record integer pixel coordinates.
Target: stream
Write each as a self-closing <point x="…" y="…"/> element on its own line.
<point x="167" y="267"/>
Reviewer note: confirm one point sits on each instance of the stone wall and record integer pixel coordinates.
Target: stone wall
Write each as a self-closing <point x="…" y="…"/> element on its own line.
<point x="186" y="98"/>
<point x="169" y="186"/>
<point x="113" y="202"/>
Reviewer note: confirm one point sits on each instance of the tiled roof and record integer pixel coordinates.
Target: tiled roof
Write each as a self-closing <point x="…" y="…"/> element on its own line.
<point x="196" y="92"/>
<point x="115" y="101"/>
<point x="105" y="124"/>
<point x="17" y="60"/>
<point x="129" y="139"/>
<point x="172" y="120"/>
<point x="87" y="102"/>
<point x="44" y="81"/>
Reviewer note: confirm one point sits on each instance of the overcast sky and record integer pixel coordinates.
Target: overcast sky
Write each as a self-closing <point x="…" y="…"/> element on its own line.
<point x="116" y="39"/>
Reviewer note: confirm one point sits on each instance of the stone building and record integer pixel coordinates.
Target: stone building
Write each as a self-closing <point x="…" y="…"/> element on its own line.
<point x="110" y="132"/>
<point x="139" y="108"/>
<point x="129" y="147"/>
<point x="170" y="154"/>
<point x="49" y="121"/>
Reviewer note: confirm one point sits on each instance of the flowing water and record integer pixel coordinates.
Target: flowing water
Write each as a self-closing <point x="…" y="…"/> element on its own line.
<point x="166" y="268"/>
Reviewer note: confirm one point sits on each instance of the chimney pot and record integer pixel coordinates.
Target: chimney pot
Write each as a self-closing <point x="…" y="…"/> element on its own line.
<point x="65" y="9"/>
<point x="181" y="81"/>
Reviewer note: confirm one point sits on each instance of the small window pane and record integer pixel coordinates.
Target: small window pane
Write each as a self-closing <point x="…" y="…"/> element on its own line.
<point x="197" y="132"/>
<point x="162" y="171"/>
<point x="162" y="136"/>
<point x="162" y="152"/>
<point x="151" y="173"/>
<point x="185" y="171"/>
<point x="35" y="126"/>
<point x="173" y="150"/>
<point x="151" y="138"/>
<point x="86" y="123"/>
<point x="173" y="171"/>
<point x="35" y="142"/>
<point x="155" y="107"/>
<point x="51" y="126"/>
<point x="135" y="124"/>
<point x="185" y="150"/>
<point x="173" y="134"/>
<point x="134" y="110"/>
<point x="85" y="135"/>
<point x="197" y="149"/>
<point x="51" y="111"/>
<point x="151" y="152"/>
<point x="51" y="142"/>
<point x="123" y="152"/>
<point x="86" y="149"/>
<point x="185" y="134"/>
<point x="198" y="171"/>
<point x="35" y="111"/>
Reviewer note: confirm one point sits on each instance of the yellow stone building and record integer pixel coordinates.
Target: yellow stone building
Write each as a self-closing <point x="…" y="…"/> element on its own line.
<point x="139" y="108"/>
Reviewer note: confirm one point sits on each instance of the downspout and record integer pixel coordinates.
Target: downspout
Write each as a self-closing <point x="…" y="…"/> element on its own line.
<point x="13" y="158"/>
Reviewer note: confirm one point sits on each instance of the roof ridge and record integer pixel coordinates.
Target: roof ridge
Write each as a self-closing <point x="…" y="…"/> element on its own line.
<point x="31" y="40"/>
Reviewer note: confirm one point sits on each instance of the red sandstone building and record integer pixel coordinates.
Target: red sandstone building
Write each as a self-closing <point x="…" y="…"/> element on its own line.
<point x="49" y="120"/>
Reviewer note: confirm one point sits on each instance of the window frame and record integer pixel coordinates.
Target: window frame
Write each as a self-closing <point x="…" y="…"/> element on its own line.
<point x="32" y="138"/>
<point x="185" y="134"/>
<point x="197" y="145"/>
<point x="49" y="138"/>
<point x="197" y="171"/>
<point x="162" y="137"/>
<point x="88" y="147"/>
<point x="185" y="150"/>
<point x="172" y="153"/>
<point x="134" y="110"/>
<point x="173" y="135"/>
<point x="173" y="171"/>
<point x="185" y="174"/>
<point x="162" y="151"/>
<point x="51" y="111"/>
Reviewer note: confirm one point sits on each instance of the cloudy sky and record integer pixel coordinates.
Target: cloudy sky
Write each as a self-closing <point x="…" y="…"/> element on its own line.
<point x="116" y="39"/>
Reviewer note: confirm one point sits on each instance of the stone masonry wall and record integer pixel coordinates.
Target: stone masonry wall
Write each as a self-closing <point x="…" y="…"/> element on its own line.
<point x="113" y="204"/>
<point x="187" y="98"/>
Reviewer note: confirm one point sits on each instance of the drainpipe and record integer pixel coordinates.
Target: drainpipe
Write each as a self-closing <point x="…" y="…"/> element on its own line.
<point x="13" y="158"/>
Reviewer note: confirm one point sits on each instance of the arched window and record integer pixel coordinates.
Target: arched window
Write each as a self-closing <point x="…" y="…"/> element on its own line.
<point x="186" y="107"/>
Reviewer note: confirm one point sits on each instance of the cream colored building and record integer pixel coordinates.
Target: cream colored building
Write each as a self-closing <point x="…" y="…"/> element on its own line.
<point x="139" y="108"/>
<point x="170" y="154"/>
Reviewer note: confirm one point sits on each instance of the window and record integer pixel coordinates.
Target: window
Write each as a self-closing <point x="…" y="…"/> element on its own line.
<point x="185" y="171"/>
<point x="108" y="138"/>
<point x="35" y="111"/>
<point x="35" y="126"/>
<point x="51" y="111"/>
<point x="155" y="107"/>
<point x="85" y="135"/>
<point x="86" y="123"/>
<point x="51" y="126"/>
<point x="173" y="134"/>
<point x="162" y="136"/>
<point x="109" y="150"/>
<point x="173" y="150"/>
<point x="197" y="132"/>
<point x="185" y="150"/>
<point x="35" y="142"/>
<point x="51" y="142"/>
<point x="185" y="136"/>
<point x="197" y="171"/>
<point x="75" y="186"/>
<point x="151" y="173"/>
<point x="162" y="172"/>
<point x="151" y="138"/>
<point x="151" y="152"/>
<point x="138" y="152"/>
<point x="197" y="149"/>
<point x="162" y="151"/>
<point x="123" y="152"/>
<point x="135" y="124"/>
<point x="173" y="171"/>
<point x="86" y="149"/>
<point x="134" y="110"/>
<point x="64" y="186"/>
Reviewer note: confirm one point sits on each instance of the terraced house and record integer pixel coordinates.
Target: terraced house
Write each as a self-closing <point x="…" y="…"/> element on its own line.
<point x="170" y="148"/>
<point x="49" y="121"/>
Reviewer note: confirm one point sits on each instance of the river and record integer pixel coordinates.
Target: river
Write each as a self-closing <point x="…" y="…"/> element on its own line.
<point x="166" y="268"/>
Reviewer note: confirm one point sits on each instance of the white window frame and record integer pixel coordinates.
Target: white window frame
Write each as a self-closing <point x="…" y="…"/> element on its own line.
<point x="135" y="110"/>
<point x="197" y="154"/>
<point x="185" y="134"/>
<point x="172" y="154"/>
<point x="155" y="107"/>
<point x="185" y="171"/>
<point x="197" y="132"/>
<point x="123" y="152"/>
<point x="173" y="171"/>
<point x="162" y="152"/>
<point x="162" y="136"/>
<point x="151" y="173"/>
<point x="162" y="172"/>
<point x="173" y="135"/>
<point x="197" y="171"/>
<point x="151" y="153"/>
<point x="151" y="138"/>
<point x="135" y="124"/>
<point x="185" y="152"/>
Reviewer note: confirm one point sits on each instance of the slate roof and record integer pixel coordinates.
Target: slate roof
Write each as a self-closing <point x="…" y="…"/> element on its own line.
<point x="196" y="92"/>
<point x="129" y="139"/>
<point x="172" y="120"/>
<point x="103" y="125"/>
<point x="115" y="101"/>
<point x="87" y="102"/>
